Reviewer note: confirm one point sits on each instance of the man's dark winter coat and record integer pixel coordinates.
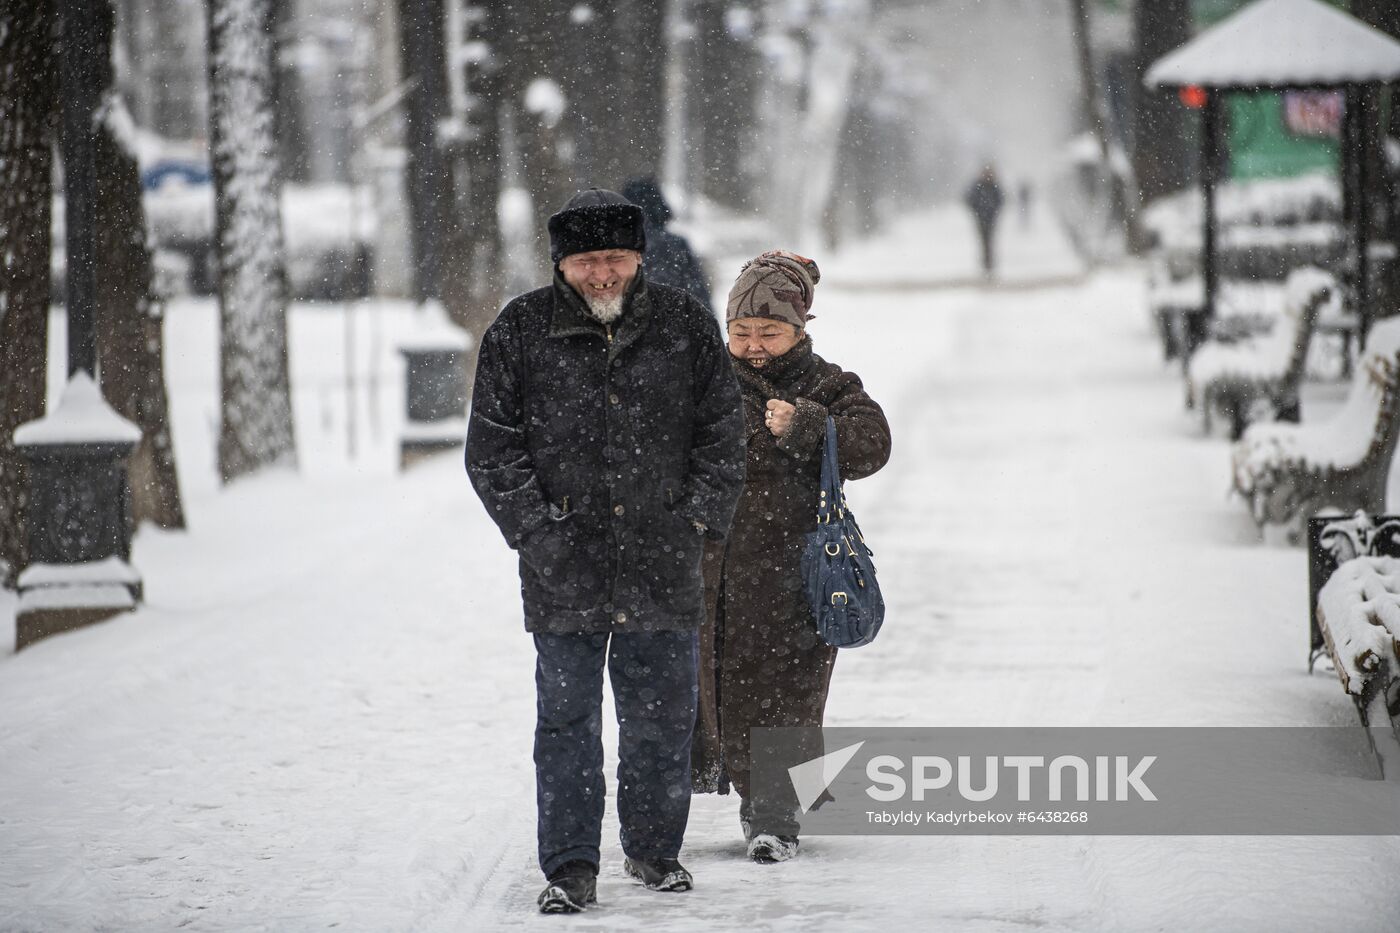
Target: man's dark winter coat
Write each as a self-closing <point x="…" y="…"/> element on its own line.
<point x="761" y="660"/>
<point x="595" y="448"/>
<point x="669" y="260"/>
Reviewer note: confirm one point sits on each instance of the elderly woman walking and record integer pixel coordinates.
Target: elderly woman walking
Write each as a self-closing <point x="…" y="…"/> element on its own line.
<point x="762" y="663"/>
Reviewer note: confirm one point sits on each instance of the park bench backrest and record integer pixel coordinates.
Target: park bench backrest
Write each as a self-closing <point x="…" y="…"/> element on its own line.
<point x="1309" y="290"/>
<point x="1372" y="404"/>
<point x="1280" y="353"/>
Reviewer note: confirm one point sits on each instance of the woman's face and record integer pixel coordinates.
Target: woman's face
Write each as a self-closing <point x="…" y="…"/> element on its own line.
<point x="756" y="340"/>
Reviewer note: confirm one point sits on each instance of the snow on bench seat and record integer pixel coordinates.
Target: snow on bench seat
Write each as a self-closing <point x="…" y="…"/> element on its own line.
<point x="1290" y="472"/>
<point x="1243" y="308"/>
<point x="1239" y="380"/>
<point x="1358" y="612"/>
<point x="1305" y="199"/>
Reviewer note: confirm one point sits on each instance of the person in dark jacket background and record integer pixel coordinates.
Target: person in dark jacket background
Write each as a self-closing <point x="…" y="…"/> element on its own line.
<point x="668" y="259"/>
<point x="762" y="663"/>
<point x="984" y="198"/>
<point x="606" y="442"/>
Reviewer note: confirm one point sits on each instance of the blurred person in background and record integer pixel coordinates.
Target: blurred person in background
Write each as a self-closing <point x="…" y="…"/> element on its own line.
<point x="984" y="198"/>
<point x="668" y="259"/>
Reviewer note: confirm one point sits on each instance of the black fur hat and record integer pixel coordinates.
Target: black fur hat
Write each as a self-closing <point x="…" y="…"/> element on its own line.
<point x="596" y="219"/>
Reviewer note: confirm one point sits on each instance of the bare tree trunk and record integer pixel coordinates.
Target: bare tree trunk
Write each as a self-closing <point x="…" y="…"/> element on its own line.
<point x="1096" y="120"/>
<point x="256" y="408"/>
<point x="722" y="82"/>
<point x="1384" y="197"/>
<point x="637" y="145"/>
<point x="429" y="190"/>
<point x="28" y="81"/>
<point x="130" y="335"/>
<point x="1162" y="150"/>
<point x="480" y="222"/>
<point x="614" y="86"/>
<point x="293" y="142"/>
<point x="829" y="91"/>
<point x="543" y="42"/>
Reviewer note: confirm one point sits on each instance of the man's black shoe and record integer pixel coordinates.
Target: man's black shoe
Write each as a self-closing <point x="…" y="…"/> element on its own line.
<point x="572" y="887"/>
<point x="661" y="874"/>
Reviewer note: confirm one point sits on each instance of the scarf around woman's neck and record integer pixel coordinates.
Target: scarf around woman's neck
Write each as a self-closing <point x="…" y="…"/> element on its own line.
<point x="774" y="378"/>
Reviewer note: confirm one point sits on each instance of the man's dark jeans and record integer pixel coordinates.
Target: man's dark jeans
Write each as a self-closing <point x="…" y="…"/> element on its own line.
<point x="654" y="685"/>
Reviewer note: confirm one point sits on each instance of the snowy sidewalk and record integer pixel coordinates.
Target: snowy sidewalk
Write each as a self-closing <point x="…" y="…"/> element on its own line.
<point x="939" y="248"/>
<point x="322" y="716"/>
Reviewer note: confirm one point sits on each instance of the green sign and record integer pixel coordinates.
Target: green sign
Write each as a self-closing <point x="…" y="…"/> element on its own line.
<point x="1261" y="144"/>
<point x="1209" y="12"/>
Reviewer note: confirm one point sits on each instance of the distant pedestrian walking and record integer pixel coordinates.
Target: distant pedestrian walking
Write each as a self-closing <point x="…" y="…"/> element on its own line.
<point x="984" y="199"/>
<point x="668" y="260"/>
<point x="607" y="442"/>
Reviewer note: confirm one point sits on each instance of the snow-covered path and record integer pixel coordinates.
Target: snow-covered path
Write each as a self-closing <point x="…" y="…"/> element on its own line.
<point x="321" y="717"/>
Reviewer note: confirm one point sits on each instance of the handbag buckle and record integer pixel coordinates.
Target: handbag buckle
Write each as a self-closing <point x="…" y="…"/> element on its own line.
<point x="845" y="600"/>
<point x="832" y="550"/>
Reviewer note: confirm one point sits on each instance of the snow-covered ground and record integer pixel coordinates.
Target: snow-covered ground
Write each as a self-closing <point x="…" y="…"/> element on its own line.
<point x="321" y="717"/>
<point x="942" y="250"/>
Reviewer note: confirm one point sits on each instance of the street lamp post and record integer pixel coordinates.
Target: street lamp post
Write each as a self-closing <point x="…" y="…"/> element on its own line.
<point x="79" y="512"/>
<point x="79" y="88"/>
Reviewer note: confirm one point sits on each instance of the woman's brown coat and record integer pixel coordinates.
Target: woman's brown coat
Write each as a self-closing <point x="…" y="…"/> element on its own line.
<point x="761" y="661"/>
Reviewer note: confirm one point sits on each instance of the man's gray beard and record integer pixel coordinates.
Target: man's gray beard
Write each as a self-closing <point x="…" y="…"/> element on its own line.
<point x="606" y="310"/>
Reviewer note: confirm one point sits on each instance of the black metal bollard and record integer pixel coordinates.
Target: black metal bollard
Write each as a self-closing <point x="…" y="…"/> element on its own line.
<point x="435" y="390"/>
<point x="79" y="516"/>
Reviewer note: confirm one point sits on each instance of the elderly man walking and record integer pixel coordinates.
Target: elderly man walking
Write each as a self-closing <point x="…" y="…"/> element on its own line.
<point x="606" y="441"/>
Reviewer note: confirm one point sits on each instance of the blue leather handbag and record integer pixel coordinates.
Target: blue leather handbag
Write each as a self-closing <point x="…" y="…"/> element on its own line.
<point x="837" y="567"/>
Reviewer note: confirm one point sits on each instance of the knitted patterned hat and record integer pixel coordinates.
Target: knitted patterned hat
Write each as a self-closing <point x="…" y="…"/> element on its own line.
<point x="777" y="284"/>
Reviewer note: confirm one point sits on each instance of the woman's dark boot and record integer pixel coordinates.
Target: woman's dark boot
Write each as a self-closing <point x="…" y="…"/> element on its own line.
<point x="767" y="848"/>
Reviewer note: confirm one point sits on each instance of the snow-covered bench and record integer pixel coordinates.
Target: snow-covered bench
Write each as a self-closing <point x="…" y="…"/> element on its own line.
<point x="1242" y="309"/>
<point x="1255" y="378"/>
<point x="1260" y="253"/>
<point x="1288" y="473"/>
<point x="1266" y="229"/>
<point x="1356" y="620"/>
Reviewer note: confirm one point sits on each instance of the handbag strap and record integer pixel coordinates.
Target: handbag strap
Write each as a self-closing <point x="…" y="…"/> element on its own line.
<point x="831" y="497"/>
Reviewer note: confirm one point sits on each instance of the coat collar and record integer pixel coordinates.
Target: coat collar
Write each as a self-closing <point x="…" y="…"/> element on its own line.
<point x="571" y="317"/>
<point x="772" y="380"/>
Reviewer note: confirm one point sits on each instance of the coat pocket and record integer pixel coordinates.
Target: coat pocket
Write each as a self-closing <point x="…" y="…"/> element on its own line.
<point x="673" y="550"/>
<point x="561" y="566"/>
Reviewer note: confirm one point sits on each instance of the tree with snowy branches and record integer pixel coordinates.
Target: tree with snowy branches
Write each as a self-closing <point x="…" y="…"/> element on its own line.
<point x="256" y="410"/>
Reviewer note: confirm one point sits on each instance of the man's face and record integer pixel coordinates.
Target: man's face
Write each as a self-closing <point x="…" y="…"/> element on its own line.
<point x="601" y="275"/>
<point x="757" y="340"/>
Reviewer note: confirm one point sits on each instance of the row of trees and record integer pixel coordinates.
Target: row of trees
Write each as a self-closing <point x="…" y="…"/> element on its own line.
<point x="256" y="410"/>
<point x="748" y="106"/>
<point x="129" y="336"/>
<point x="556" y="94"/>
